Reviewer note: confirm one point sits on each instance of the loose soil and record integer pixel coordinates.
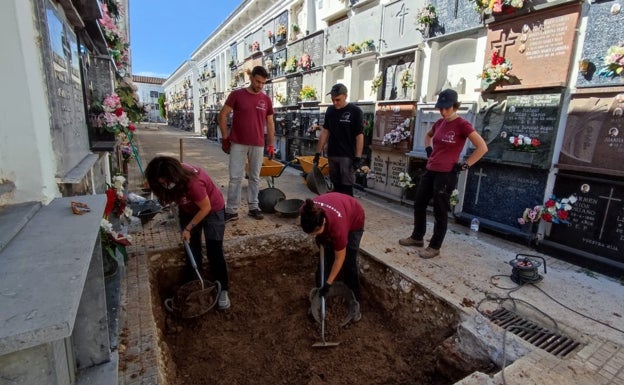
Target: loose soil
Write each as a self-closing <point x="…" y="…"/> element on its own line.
<point x="266" y="336"/>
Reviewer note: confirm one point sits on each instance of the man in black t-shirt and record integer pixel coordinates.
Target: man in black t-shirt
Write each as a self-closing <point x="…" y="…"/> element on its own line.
<point x="343" y="133"/>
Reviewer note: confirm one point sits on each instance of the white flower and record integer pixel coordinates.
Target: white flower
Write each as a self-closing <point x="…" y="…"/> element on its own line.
<point x="106" y="225"/>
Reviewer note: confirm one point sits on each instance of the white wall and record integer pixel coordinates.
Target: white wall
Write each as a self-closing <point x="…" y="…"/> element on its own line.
<point x="26" y="156"/>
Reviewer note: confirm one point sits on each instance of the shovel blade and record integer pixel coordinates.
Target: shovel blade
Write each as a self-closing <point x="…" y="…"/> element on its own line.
<point x="325" y="344"/>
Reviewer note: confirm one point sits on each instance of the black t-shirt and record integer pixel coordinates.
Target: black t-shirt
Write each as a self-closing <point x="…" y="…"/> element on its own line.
<point x="343" y="125"/>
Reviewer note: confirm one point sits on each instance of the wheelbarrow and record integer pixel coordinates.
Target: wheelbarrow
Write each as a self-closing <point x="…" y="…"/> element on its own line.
<point x="269" y="197"/>
<point x="316" y="178"/>
<point x="307" y="164"/>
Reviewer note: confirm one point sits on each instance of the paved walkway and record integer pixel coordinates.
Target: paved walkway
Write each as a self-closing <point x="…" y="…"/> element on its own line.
<point x="586" y="306"/>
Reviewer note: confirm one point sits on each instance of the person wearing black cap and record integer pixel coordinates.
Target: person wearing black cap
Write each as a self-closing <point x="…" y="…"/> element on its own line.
<point x="444" y="143"/>
<point x="343" y="131"/>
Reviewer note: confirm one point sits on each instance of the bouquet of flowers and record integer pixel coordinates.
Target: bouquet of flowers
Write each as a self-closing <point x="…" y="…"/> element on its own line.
<point x="613" y="62"/>
<point x="291" y="64"/>
<point x="426" y="16"/>
<point x="401" y="132"/>
<point x="304" y="62"/>
<point x="454" y="198"/>
<point x="553" y="210"/>
<point x="281" y="30"/>
<point x="405" y="181"/>
<point x="255" y="46"/>
<point x="497" y="6"/>
<point x="307" y="93"/>
<point x="354" y="49"/>
<point x="110" y="115"/>
<point x="524" y="143"/>
<point x="376" y="83"/>
<point x="496" y="71"/>
<point x="406" y="79"/>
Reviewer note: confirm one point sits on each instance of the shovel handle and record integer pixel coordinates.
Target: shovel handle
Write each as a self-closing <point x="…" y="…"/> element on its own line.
<point x="193" y="263"/>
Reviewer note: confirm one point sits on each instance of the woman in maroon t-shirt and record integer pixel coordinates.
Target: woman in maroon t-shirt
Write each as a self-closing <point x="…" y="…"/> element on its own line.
<point x="201" y="207"/>
<point x="337" y="222"/>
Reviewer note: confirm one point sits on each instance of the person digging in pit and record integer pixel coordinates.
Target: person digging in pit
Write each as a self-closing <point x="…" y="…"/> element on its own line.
<point x="336" y="221"/>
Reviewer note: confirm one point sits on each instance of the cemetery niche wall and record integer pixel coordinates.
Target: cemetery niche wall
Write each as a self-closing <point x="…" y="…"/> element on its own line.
<point x="596" y="228"/>
<point x="527" y="131"/>
<point x="594" y="136"/>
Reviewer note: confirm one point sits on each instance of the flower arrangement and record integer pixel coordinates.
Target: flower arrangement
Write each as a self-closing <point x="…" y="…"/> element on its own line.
<point x="498" y="70"/>
<point x="368" y="45"/>
<point x="281" y="62"/>
<point x="280" y="98"/>
<point x="406" y="79"/>
<point x="307" y="93"/>
<point x="115" y="206"/>
<point x="254" y="47"/>
<point x="613" y="62"/>
<point x="270" y="35"/>
<point x="291" y="64"/>
<point x="401" y="132"/>
<point x="426" y="16"/>
<point x="111" y="116"/>
<point x="377" y="82"/>
<point x="341" y="50"/>
<point x="354" y="49"/>
<point x="304" y="62"/>
<point x="553" y="211"/>
<point x="405" y="181"/>
<point x="454" y="198"/>
<point x="281" y="30"/>
<point x="497" y="6"/>
<point x="314" y="127"/>
<point x="368" y="126"/>
<point x="524" y="143"/>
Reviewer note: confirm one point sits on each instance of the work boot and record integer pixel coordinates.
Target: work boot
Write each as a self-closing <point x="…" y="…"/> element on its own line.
<point x="230" y="217"/>
<point x="409" y="241"/>
<point x="224" y="300"/>
<point x="429" y="252"/>
<point x="256" y="214"/>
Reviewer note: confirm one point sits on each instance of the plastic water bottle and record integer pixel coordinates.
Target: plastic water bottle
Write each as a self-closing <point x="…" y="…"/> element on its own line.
<point x="474" y="226"/>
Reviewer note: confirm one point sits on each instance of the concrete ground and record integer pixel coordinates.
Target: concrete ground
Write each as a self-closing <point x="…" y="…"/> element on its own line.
<point x="471" y="272"/>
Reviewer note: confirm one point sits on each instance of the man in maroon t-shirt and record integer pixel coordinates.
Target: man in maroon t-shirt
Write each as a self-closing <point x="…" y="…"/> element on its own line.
<point x="251" y="109"/>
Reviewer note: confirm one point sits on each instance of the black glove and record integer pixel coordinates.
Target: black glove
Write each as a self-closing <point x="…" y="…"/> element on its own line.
<point x="317" y="156"/>
<point x="357" y="163"/>
<point x="324" y="290"/>
<point x="428" y="150"/>
<point x="459" y="167"/>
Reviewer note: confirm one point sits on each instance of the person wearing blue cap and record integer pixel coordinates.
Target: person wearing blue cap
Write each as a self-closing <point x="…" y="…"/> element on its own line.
<point x="444" y="143"/>
<point x="343" y="131"/>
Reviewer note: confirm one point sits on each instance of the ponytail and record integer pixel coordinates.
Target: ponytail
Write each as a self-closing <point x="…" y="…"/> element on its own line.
<point x="312" y="216"/>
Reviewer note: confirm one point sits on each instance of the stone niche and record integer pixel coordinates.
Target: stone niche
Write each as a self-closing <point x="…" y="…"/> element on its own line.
<point x="389" y="117"/>
<point x="387" y="166"/>
<point x="594" y="134"/>
<point x="539" y="46"/>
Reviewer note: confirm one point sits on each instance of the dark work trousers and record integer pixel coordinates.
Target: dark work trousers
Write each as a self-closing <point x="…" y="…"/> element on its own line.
<point x="439" y="186"/>
<point x="341" y="174"/>
<point x="213" y="228"/>
<point x="350" y="269"/>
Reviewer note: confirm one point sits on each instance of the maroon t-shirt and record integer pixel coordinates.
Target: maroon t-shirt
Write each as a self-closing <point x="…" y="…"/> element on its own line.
<point x="249" y="118"/>
<point x="197" y="189"/>
<point x="448" y="141"/>
<point x="344" y="214"/>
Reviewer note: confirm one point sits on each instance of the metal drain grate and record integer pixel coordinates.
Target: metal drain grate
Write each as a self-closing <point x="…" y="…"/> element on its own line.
<point x="554" y="343"/>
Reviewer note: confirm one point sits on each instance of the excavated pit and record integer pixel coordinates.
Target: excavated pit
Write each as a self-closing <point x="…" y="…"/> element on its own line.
<point x="405" y="335"/>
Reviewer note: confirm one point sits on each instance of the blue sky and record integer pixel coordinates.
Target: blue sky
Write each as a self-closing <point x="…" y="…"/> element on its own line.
<point x="164" y="33"/>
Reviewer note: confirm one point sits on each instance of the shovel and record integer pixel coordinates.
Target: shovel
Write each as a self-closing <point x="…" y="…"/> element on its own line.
<point x="323" y="343"/>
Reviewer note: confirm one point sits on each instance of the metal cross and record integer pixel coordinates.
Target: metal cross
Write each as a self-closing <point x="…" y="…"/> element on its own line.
<point x="604" y="218"/>
<point x="480" y="174"/>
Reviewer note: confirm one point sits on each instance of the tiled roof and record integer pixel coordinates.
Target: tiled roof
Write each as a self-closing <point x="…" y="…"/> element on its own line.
<point x="147" y="79"/>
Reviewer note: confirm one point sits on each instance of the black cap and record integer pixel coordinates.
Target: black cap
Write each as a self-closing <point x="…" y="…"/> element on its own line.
<point x="338" y="89"/>
<point x="446" y="99"/>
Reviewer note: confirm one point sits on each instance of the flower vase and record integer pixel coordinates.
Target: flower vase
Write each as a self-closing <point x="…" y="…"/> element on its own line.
<point x="426" y="31"/>
<point x="317" y="133"/>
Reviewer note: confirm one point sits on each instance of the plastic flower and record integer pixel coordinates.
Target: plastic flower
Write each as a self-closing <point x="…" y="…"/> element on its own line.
<point x="496" y="71"/>
<point x="401" y="132"/>
<point x="524" y="143"/>
<point x="553" y="210"/>
<point x="454" y="198"/>
<point x="426" y="16"/>
<point x="405" y="181"/>
<point x="613" y="62"/>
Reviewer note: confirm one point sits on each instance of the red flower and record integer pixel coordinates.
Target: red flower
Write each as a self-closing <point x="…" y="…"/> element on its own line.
<point x="535" y="142"/>
<point x="494" y="58"/>
<point x="120" y="240"/>
<point x="550" y="203"/>
<point x="562" y="215"/>
<point x="547" y="217"/>
<point x="131" y="127"/>
<point x="119" y="111"/>
<point x="111" y="196"/>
